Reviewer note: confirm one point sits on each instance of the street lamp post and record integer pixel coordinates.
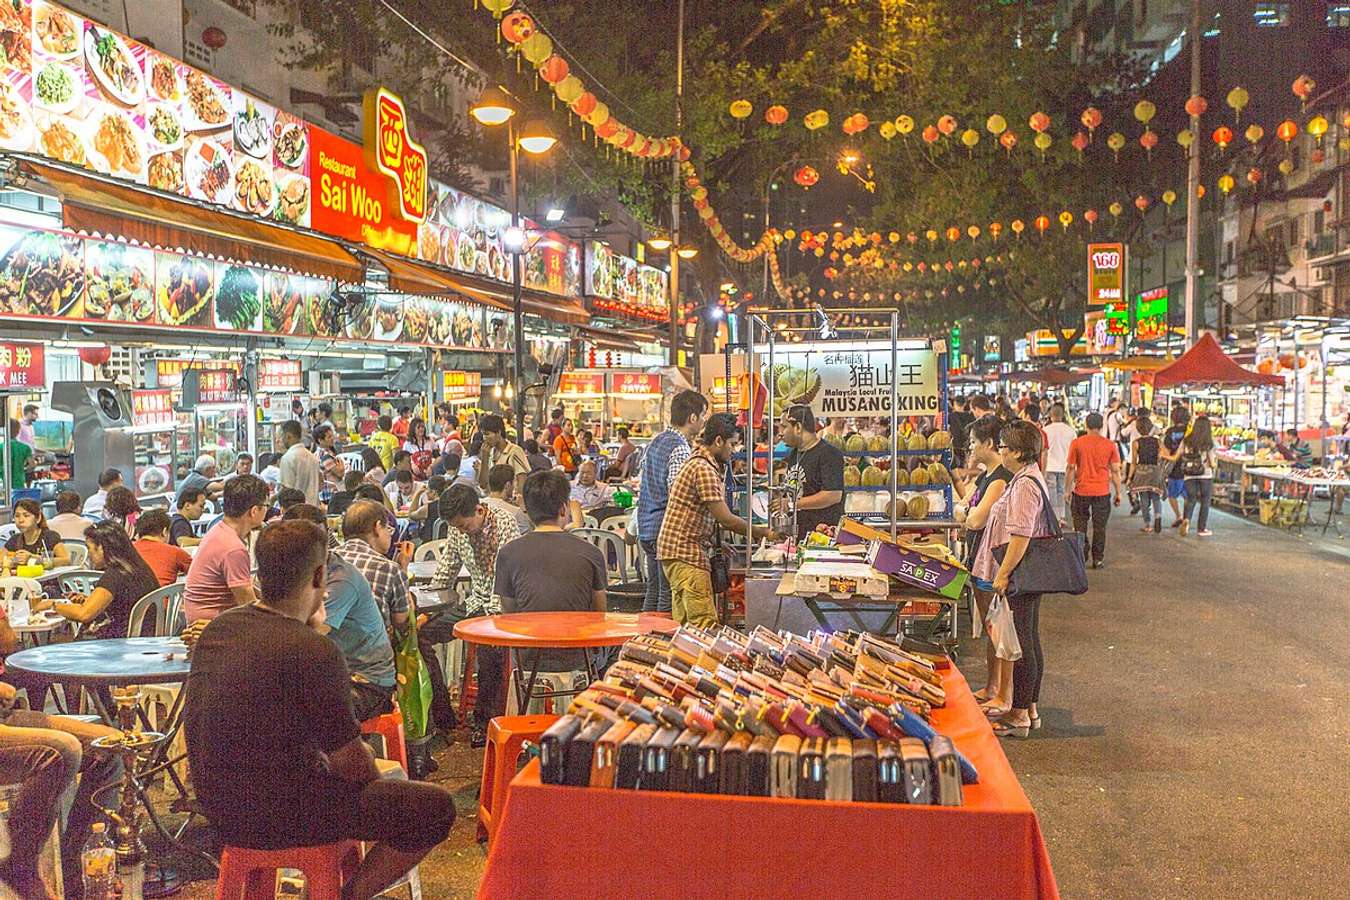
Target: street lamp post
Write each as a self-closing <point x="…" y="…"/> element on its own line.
<point x="494" y="108"/>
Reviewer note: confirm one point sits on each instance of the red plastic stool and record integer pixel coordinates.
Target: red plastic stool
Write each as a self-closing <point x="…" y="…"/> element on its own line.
<point x="505" y="735"/>
<point x="390" y="727"/>
<point x="468" y="687"/>
<point x="251" y="874"/>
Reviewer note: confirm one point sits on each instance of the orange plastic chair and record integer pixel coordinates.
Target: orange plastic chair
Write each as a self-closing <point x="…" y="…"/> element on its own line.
<point x="468" y="686"/>
<point x="251" y="874"/>
<point x="505" y="736"/>
<point x="390" y="727"/>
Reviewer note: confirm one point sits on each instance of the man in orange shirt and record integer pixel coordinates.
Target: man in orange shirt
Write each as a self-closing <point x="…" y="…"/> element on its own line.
<point x="1094" y="468"/>
<point x="152" y="543"/>
<point x="565" y="448"/>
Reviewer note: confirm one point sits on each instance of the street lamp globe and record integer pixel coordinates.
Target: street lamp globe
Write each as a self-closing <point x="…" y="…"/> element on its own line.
<point x="535" y="138"/>
<point x="494" y="107"/>
<point x="687" y="252"/>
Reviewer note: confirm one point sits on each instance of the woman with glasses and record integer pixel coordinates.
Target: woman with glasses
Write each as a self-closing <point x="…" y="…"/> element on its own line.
<point x="978" y="496"/>
<point x="1015" y="518"/>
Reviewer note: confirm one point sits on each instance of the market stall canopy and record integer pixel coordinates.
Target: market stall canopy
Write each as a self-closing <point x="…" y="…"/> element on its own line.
<point x="553" y="308"/>
<point x="1052" y="375"/>
<point x="110" y="208"/>
<point x="1207" y="364"/>
<point x="409" y="277"/>
<point x="1139" y="363"/>
<point x="609" y="340"/>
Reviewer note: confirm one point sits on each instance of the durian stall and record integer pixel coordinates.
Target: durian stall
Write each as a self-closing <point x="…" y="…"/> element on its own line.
<point x="891" y="393"/>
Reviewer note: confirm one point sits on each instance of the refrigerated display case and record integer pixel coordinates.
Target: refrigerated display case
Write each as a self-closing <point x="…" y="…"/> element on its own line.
<point x="155" y="446"/>
<point x="220" y="429"/>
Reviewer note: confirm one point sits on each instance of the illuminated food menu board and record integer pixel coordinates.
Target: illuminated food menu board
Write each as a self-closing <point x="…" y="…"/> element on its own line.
<point x="79" y="93"/>
<point x="632" y="287"/>
<point x="57" y="275"/>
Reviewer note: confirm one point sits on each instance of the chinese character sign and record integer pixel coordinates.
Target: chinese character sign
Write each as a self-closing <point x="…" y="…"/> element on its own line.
<point x="22" y="365"/>
<point x="635" y="384"/>
<point x="396" y="153"/>
<point x="152" y="408"/>
<point x="1106" y="274"/>
<point x="859" y="380"/>
<point x="280" y="375"/>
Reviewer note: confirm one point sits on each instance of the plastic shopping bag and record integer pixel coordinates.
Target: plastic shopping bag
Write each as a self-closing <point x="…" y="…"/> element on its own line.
<point x="1002" y="632"/>
<point x="414" y="685"/>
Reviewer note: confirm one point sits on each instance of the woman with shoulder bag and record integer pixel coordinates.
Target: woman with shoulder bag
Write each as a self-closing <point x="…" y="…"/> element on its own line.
<point x="1148" y="477"/>
<point x="979" y="496"/>
<point x="1015" y="519"/>
<point x="1196" y="453"/>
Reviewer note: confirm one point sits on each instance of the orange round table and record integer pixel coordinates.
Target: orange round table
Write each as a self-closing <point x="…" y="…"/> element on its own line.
<point x="554" y="631"/>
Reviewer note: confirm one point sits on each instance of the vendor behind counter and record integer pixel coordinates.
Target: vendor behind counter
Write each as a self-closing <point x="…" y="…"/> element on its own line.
<point x="816" y="468"/>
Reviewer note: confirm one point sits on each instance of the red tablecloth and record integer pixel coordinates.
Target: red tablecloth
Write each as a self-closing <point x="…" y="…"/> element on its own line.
<point x="556" y="841"/>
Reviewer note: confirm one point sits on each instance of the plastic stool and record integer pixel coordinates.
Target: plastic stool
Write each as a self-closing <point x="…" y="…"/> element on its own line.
<point x="505" y="736"/>
<point x="251" y="874"/>
<point x="390" y="729"/>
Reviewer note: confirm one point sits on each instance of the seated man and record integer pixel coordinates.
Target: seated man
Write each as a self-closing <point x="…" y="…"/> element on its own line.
<point x="589" y="492"/>
<point x="369" y="540"/>
<point x="549" y="569"/>
<point x="276" y="752"/>
<point x="42" y="754"/>
<point x="352" y="620"/>
<point x="152" y="543"/>
<point x="219" y="577"/>
<point x="191" y="507"/>
<point x="502" y="495"/>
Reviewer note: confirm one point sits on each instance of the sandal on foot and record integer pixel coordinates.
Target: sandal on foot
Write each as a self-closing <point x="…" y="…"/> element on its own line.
<point x="995" y="712"/>
<point x="1035" y="723"/>
<point x="982" y="696"/>
<point x="1005" y="729"/>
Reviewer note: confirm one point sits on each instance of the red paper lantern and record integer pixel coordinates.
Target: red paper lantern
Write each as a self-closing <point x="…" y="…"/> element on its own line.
<point x="1141" y="203"/>
<point x="584" y="105"/>
<point x="96" y="356"/>
<point x="1223" y="136"/>
<point x="1303" y="87"/>
<point x="1196" y="106"/>
<point x="776" y="114"/>
<point x="1039" y="121"/>
<point x="555" y="69"/>
<point x="1090" y="216"/>
<point x="930" y="134"/>
<point x="1091" y="118"/>
<point x="806" y="176"/>
<point x="214" y="37"/>
<point x="1008" y="140"/>
<point x="946" y="124"/>
<point x="517" y="26"/>
<point x="1287" y="130"/>
<point x="953" y="233"/>
<point x="607" y="129"/>
<point x="1254" y="175"/>
<point x="1042" y="223"/>
<point x="1148" y="140"/>
<point x="1079" y="142"/>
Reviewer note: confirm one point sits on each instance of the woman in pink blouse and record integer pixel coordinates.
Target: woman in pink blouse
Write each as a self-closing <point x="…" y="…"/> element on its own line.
<point x="1016" y="518"/>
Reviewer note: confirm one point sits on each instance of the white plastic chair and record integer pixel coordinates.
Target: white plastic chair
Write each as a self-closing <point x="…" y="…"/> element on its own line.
<point x="354" y="462"/>
<point x="431" y="550"/>
<point x="167" y="604"/>
<point x="619" y="525"/>
<point x="15" y="592"/>
<point x="81" y="582"/>
<point x="612" y="547"/>
<point x="589" y="521"/>
<point x="8" y="531"/>
<point x="79" y="552"/>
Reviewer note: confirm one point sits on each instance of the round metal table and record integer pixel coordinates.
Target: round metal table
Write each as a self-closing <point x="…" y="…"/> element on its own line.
<point x="107" y="661"/>
<point x="555" y="631"/>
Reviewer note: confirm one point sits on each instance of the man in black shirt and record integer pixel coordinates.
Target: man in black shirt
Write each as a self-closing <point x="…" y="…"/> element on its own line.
<point x="191" y="505"/>
<point x="816" y="467"/>
<point x="276" y="752"/>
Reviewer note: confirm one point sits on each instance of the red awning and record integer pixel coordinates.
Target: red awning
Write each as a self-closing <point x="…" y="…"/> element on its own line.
<point x="1052" y="375"/>
<point x="1207" y="364"/>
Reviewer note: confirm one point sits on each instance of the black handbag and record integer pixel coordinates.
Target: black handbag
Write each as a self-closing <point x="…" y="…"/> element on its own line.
<point x="1051" y="565"/>
<point x="719" y="564"/>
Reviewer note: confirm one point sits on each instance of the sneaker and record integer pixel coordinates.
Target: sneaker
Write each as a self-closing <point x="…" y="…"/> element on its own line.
<point x="1205" y="533"/>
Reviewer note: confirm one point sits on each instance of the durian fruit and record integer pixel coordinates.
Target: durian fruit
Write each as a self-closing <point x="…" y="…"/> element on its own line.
<point x="919" y="477"/>
<point x="873" y="476"/>
<point x="901" y="475"/>
<point x="938" y="474"/>
<point x="810" y="386"/>
<point x="789" y="382"/>
<point x="917" y="508"/>
<point x="939" y="440"/>
<point x="834" y="440"/>
<point x="917" y="441"/>
<point x="852" y="478"/>
<point x="897" y="508"/>
<point x="877" y="444"/>
<point x="855" y="443"/>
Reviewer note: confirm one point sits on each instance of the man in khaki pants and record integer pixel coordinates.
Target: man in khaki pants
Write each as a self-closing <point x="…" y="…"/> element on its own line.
<point x="697" y="498"/>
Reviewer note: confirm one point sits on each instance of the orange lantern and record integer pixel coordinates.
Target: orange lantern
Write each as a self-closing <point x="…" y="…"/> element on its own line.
<point x="1090" y="216"/>
<point x="776" y="114"/>
<point x="1017" y="227"/>
<point x="806" y="176"/>
<point x="1141" y="203"/>
<point x="1148" y="140"/>
<point x="1079" y="141"/>
<point x="584" y="105"/>
<point x="1196" y="106"/>
<point x="1039" y="121"/>
<point x="947" y="125"/>
<point x="953" y="233"/>
<point x="995" y="228"/>
<point x="1009" y="140"/>
<point x="1303" y="87"/>
<point x="1223" y="136"/>
<point x="554" y="69"/>
<point x="1287" y="131"/>
<point x="1042" y="223"/>
<point x="1254" y="175"/>
<point x="517" y="26"/>
<point x="930" y="134"/>
<point x="1091" y="118"/>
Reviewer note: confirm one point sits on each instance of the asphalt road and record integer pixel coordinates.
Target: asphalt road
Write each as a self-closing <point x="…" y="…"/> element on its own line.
<point x="1196" y="735"/>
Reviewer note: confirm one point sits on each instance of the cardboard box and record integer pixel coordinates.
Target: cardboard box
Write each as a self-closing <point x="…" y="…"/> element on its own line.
<point x="929" y="567"/>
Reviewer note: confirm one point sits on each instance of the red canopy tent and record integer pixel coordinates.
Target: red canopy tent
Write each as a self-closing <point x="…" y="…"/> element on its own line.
<point x="1054" y="376"/>
<point x="1207" y="364"/>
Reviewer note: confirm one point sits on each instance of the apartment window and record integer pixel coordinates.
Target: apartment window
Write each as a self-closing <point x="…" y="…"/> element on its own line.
<point x="1319" y="222"/>
<point x="1272" y="15"/>
<point x="1338" y="14"/>
<point x="1227" y="253"/>
<point x="1292" y="232"/>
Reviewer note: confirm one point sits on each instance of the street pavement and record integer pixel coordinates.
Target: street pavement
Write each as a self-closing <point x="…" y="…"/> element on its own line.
<point x="1195" y="723"/>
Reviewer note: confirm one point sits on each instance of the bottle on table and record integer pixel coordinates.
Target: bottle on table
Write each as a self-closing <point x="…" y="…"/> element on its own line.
<point x="98" y="862"/>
